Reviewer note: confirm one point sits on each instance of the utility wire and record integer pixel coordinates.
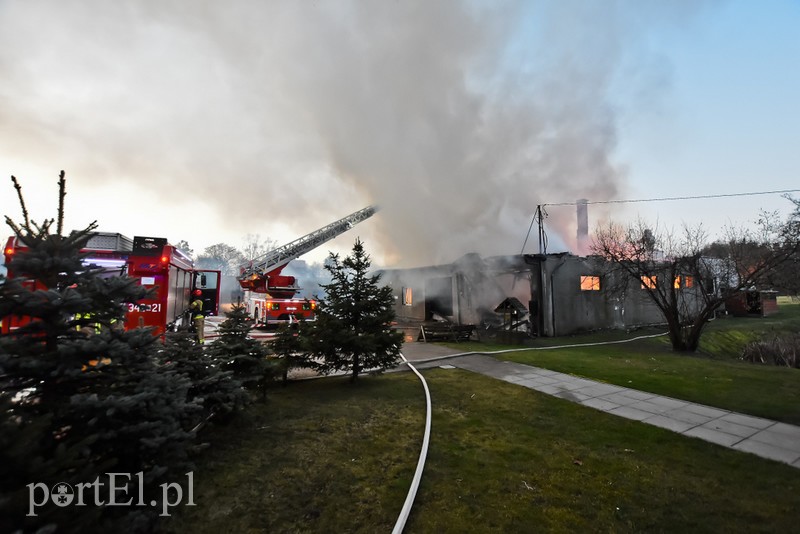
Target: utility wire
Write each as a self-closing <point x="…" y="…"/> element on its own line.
<point x="541" y="214"/>
<point x="696" y="197"/>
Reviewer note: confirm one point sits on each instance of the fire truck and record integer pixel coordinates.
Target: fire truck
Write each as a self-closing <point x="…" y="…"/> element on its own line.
<point x="269" y="295"/>
<point x="173" y="278"/>
<point x="157" y="265"/>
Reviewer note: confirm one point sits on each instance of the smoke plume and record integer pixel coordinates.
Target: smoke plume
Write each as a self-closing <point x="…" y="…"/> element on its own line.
<point x="457" y="118"/>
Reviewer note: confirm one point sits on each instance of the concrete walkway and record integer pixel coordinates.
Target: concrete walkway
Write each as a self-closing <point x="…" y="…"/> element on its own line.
<point x="762" y="437"/>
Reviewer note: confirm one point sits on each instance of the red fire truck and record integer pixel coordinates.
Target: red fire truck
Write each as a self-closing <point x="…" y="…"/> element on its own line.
<point x="156" y="264"/>
<point x="269" y="294"/>
<point x="172" y="275"/>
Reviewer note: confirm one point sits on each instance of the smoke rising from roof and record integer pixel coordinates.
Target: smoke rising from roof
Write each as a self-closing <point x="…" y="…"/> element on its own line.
<point x="457" y="118"/>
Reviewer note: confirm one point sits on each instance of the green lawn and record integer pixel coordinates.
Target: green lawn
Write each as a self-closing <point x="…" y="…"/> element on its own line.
<point x="326" y="456"/>
<point x="715" y="376"/>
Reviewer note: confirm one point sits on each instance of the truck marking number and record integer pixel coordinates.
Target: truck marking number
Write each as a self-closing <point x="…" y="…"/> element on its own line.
<point x="155" y="308"/>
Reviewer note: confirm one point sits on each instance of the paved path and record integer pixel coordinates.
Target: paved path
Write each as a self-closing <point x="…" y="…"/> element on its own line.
<point x="763" y="437"/>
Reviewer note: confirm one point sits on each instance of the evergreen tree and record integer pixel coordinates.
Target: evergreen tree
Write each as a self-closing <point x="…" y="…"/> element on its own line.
<point x="80" y="396"/>
<point x="237" y="352"/>
<point x="219" y="392"/>
<point x="353" y="328"/>
<point x="290" y="349"/>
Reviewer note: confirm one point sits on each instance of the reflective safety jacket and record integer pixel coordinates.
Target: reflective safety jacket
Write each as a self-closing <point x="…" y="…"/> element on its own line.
<point x="197" y="308"/>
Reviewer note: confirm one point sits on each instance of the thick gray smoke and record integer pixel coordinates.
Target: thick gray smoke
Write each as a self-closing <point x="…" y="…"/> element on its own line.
<point x="456" y="117"/>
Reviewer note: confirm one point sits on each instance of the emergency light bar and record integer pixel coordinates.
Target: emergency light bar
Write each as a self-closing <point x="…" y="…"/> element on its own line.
<point x="105" y="263"/>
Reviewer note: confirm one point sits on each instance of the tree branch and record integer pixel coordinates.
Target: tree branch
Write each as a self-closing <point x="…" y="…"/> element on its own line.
<point x="62" y="192"/>
<point x="27" y="224"/>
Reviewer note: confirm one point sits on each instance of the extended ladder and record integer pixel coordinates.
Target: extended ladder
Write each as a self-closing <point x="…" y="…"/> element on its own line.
<point x="279" y="257"/>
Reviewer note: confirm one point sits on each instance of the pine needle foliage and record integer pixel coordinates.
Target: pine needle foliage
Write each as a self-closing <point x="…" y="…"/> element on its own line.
<point x="290" y="349"/>
<point x="217" y="390"/>
<point x="244" y="356"/>
<point x="353" y="331"/>
<point x="79" y="396"/>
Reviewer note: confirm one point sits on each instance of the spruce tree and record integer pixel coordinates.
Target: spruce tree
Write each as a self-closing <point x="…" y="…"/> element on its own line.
<point x="219" y="392"/>
<point x="291" y="350"/>
<point x="237" y="352"/>
<point x="81" y="397"/>
<point x="353" y="330"/>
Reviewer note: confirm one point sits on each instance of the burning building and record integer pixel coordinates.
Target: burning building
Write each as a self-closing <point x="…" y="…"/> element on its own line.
<point x="532" y="294"/>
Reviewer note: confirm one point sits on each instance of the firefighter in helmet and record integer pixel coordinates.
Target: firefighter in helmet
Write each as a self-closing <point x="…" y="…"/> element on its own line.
<point x="198" y="319"/>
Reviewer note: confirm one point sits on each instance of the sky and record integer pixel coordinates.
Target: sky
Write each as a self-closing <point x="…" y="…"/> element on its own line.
<point x="207" y="121"/>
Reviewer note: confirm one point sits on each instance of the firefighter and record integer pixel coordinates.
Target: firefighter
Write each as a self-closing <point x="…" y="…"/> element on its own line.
<point x="198" y="319"/>
<point x="86" y="328"/>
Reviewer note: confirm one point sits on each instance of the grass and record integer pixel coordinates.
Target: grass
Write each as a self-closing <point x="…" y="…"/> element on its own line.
<point x="726" y="338"/>
<point x="715" y="376"/>
<point x="326" y="456"/>
<point x="320" y="455"/>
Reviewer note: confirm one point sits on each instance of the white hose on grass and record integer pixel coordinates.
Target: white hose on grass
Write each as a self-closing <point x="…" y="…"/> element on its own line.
<point x="423" y="454"/>
<point x="412" y="491"/>
<point x="523" y="349"/>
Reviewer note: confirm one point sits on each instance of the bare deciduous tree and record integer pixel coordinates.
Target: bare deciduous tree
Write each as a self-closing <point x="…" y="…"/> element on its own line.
<point x="229" y="259"/>
<point x="221" y="256"/>
<point x="688" y="279"/>
<point x="255" y="247"/>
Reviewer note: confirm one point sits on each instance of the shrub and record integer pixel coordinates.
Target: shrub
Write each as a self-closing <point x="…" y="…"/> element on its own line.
<point x="780" y="350"/>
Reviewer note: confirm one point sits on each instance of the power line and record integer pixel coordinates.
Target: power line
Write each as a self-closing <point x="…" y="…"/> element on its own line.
<point x="695" y="197"/>
<point x="541" y="214"/>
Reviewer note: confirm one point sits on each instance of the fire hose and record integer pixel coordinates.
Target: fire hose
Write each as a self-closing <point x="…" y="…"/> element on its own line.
<point x="423" y="454"/>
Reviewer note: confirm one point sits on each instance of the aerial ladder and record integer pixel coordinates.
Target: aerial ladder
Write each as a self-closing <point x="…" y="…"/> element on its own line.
<point x="268" y="293"/>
